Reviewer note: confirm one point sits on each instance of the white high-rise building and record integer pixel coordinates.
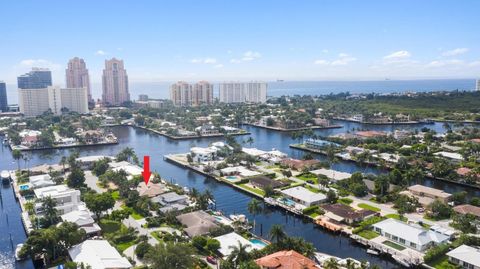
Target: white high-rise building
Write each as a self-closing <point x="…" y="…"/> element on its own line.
<point x="77" y="76"/>
<point x="243" y="92"/>
<point x="35" y="102"/>
<point x="68" y="99"/>
<point x="478" y="84"/>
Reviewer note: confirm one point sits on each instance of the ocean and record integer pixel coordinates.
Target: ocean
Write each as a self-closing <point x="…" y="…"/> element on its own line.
<point x="159" y="90"/>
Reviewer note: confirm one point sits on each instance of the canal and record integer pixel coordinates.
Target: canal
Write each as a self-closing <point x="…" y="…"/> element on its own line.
<point x="228" y="199"/>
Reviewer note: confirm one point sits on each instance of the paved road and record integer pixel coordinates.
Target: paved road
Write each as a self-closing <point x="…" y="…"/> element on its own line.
<point x="91" y="181"/>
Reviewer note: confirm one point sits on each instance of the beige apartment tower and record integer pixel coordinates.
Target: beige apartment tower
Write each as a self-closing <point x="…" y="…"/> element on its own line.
<point x="115" y="83"/>
<point x="185" y="94"/>
<point x="77" y="76"/>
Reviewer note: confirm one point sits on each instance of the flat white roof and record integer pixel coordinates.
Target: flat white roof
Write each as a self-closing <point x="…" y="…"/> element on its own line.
<point x="450" y="155"/>
<point x="410" y="233"/>
<point x="130" y="169"/>
<point x="331" y="174"/>
<point x="99" y="254"/>
<point x="243" y="171"/>
<point x="466" y="254"/>
<point x="53" y="191"/>
<point x="304" y="194"/>
<point x="253" y="151"/>
<point x="227" y="241"/>
<point x="92" y="158"/>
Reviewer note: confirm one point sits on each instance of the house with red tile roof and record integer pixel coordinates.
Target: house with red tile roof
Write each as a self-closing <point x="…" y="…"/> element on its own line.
<point x="289" y="259"/>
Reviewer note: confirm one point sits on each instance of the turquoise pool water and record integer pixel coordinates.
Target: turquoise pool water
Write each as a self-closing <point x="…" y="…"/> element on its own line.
<point x="288" y="202"/>
<point x="258" y="243"/>
<point x="232" y="178"/>
<point x="24" y="187"/>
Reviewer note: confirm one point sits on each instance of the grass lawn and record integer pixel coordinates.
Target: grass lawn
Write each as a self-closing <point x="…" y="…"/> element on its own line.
<point x="123" y="246"/>
<point x="308" y="176"/>
<point x="345" y="201"/>
<point x="135" y="215"/>
<point x="255" y="190"/>
<point x="116" y="195"/>
<point x="314" y="215"/>
<point x="312" y="189"/>
<point x="393" y="245"/>
<point x="442" y="263"/>
<point x="369" y="207"/>
<point x="397" y="217"/>
<point x="368" y="234"/>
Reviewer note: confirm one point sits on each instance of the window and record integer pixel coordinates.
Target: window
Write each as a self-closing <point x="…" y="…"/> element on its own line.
<point x="413" y="245"/>
<point x="402" y="241"/>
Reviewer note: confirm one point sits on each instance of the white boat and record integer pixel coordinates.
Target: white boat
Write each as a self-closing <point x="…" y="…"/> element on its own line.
<point x="17" y="252"/>
<point x="5" y="176"/>
<point x="372" y="251"/>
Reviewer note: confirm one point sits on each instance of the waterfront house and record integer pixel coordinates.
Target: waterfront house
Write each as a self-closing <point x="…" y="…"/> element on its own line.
<point x="411" y="236"/>
<point x="303" y="196"/>
<point x="67" y="199"/>
<point x="370" y="134"/>
<point x="427" y="195"/>
<point x="91" y="136"/>
<point x="239" y="171"/>
<point x="86" y="163"/>
<point x="151" y="190"/>
<point x="200" y="155"/>
<point x="286" y="259"/>
<point x="262" y="182"/>
<point x="98" y="254"/>
<point x="318" y="143"/>
<point x="468" y="209"/>
<point x="231" y="240"/>
<point x="83" y="218"/>
<point x="465" y="256"/>
<point x="197" y="223"/>
<point x="207" y="129"/>
<point x="45" y="169"/>
<point x="346" y="214"/>
<point x="131" y="169"/>
<point x="171" y="198"/>
<point x="40" y="181"/>
<point x="299" y="164"/>
<point x="331" y="174"/>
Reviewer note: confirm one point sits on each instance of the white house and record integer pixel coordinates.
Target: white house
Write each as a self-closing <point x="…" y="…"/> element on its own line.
<point x="465" y="256"/>
<point x="456" y="157"/>
<point x="83" y="218"/>
<point x="98" y="254"/>
<point x="67" y="199"/>
<point x="40" y="181"/>
<point x="331" y="174"/>
<point x="200" y="155"/>
<point x="131" y="169"/>
<point x="230" y="240"/>
<point x="304" y="196"/>
<point x="408" y="235"/>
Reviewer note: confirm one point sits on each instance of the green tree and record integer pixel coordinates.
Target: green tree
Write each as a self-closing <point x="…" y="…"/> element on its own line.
<point x="98" y="203"/>
<point x="50" y="212"/>
<point x="277" y="234"/>
<point x="254" y="207"/>
<point x="76" y="178"/>
<point x="170" y="255"/>
<point x="212" y="245"/>
<point x="17" y="155"/>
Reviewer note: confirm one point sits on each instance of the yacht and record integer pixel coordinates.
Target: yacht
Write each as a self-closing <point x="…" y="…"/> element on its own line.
<point x="17" y="252"/>
<point x="5" y="176"/>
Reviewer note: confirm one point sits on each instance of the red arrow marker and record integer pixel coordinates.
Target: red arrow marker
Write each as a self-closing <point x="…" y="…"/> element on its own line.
<point x="146" y="169"/>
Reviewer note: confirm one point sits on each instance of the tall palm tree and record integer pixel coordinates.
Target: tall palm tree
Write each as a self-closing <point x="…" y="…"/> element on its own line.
<point x="277" y="233"/>
<point x="17" y="155"/>
<point x="63" y="162"/>
<point x="254" y="207"/>
<point x="239" y="254"/>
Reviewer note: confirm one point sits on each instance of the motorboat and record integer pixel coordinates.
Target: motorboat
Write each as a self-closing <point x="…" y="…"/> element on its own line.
<point x="5" y="176"/>
<point x="17" y="252"/>
<point x="372" y="251"/>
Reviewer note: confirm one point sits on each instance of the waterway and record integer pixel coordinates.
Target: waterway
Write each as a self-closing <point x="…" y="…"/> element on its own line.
<point x="228" y="199"/>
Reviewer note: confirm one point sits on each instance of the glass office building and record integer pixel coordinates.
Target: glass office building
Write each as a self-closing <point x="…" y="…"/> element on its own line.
<point x="3" y="97"/>
<point x="38" y="78"/>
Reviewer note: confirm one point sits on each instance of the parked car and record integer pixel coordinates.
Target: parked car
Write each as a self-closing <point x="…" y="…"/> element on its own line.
<point x="211" y="260"/>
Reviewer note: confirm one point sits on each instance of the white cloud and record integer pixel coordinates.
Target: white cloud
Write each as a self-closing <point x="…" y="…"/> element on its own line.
<point x="436" y="64"/>
<point x="207" y="60"/>
<point x="398" y="55"/>
<point x="474" y="63"/>
<point x="39" y="63"/>
<point x="324" y="51"/>
<point x="100" y="52"/>
<point x="455" y="52"/>
<point x="321" y="62"/>
<point x="247" y="57"/>
<point x="218" y="66"/>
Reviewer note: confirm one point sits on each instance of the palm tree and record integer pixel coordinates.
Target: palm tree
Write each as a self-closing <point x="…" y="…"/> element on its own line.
<point x="239" y="254"/>
<point x="63" y="162"/>
<point x="17" y="155"/>
<point x="254" y="208"/>
<point x="277" y="233"/>
<point x="331" y="263"/>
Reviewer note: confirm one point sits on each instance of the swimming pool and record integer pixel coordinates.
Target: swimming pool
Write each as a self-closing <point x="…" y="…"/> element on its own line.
<point x="232" y="178"/>
<point x="288" y="202"/>
<point x="258" y="243"/>
<point x="24" y="187"/>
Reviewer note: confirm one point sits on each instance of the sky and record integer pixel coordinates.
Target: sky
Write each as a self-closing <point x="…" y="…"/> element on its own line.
<point x="244" y="40"/>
